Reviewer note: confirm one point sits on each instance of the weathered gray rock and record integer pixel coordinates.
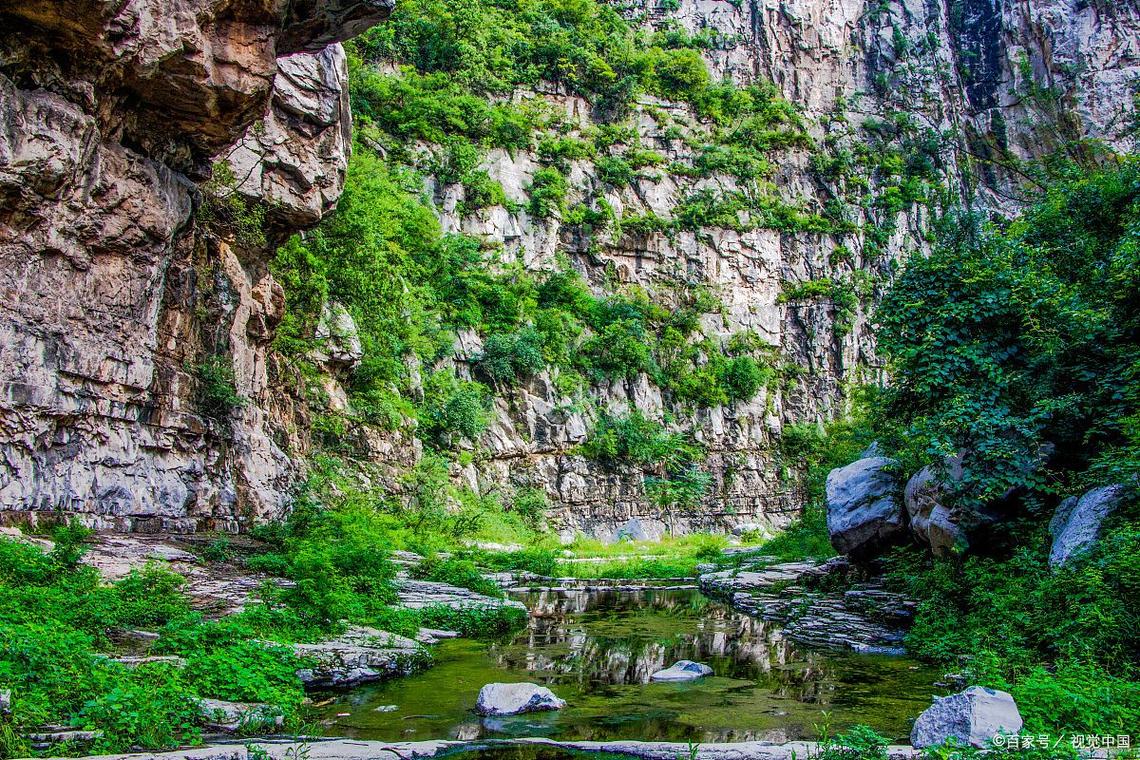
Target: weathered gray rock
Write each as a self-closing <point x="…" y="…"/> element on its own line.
<point x="1076" y="524"/>
<point x="682" y="670"/>
<point x="112" y="289"/>
<point x="863" y="512"/>
<point x="515" y="698"/>
<point x="232" y="717"/>
<point x="338" y="338"/>
<point x="973" y="717"/>
<point x="933" y="521"/>
<point x="359" y="655"/>
<point x="5" y="701"/>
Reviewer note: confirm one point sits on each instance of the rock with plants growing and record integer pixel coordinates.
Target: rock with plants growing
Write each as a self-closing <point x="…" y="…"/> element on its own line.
<point x="972" y="717"/>
<point x="863" y="512"/>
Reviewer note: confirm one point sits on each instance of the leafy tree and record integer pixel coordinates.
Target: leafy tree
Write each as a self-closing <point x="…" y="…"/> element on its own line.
<point x="1012" y="343"/>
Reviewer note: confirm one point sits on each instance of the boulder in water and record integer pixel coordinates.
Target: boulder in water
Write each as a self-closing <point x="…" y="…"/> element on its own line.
<point x="515" y="698"/>
<point x="974" y="716"/>
<point x="682" y="670"/>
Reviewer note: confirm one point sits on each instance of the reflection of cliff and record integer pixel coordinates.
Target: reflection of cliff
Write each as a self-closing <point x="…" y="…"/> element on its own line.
<point x="618" y="637"/>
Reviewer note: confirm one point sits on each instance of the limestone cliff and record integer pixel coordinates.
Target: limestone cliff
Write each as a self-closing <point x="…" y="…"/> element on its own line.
<point x="126" y="271"/>
<point x="115" y="292"/>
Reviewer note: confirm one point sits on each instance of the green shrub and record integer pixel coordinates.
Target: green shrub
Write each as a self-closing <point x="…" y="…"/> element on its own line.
<point x="633" y="439"/>
<point x="217" y="396"/>
<point x="508" y="357"/>
<point x="547" y="193"/>
<point x="743" y="378"/>
<point x="454" y="406"/>
<point x="457" y="572"/>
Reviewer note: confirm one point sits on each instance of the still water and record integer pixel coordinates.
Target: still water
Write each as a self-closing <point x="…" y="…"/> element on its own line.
<point x="596" y="649"/>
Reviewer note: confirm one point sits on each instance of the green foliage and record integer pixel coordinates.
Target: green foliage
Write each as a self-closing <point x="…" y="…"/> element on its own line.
<point x="508" y="357"/>
<point x="548" y="193"/>
<point x="457" y="572"/>
<point x="216" y="396"/>
<point x="1003" y="340"/>
<point x="454" y="406"/>
<point x="227" y="213"/>
<point x="633" y="439"/>
<point x="1064" y="641"/>
<point x="338" y="562"/>
<point x="858" y="743"/>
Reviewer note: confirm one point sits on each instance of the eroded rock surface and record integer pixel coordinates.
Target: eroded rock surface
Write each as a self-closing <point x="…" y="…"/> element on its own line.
<point x="112" y="287"/>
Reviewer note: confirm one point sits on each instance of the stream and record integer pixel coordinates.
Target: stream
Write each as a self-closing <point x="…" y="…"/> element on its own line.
<point x="597" y="649"/>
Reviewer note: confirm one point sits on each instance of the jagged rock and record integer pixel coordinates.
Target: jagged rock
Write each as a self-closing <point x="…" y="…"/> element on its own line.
<point x="972" y="717"/>
<point x="232" y="717"/>
<point x="5" y="702"/>
<point x="932" y="521"/>
<point x="682" y="670"/>
<point x="171" y="554"/>
<point x="1075" y="526"/>
<point x="112" y="115"/>
<point x="357" y="656"/>
<point x="863" y="512"/>
<point x="338" y="337"/>
<point x="515" y="698"/>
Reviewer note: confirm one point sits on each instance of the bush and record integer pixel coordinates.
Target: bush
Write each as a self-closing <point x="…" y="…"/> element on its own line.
<point x="217" y="397"/>
<point x="454" y="407"/>
<point x="1037" y="324"/>
<point x="457" y="572"/>
<point x="633" y="439"/>
<point x="742" y="378"/>
<point x="547" y="193"/>
<point x="507" y="357"/>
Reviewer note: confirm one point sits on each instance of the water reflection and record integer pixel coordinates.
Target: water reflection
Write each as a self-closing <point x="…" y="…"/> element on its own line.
<point x="597" y="649"/>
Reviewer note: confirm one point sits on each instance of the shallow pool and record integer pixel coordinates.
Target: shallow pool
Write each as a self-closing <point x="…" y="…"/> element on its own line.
<point x="596" y="649"/>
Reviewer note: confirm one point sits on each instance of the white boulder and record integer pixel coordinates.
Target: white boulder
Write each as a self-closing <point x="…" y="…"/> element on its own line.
<point x="974" y="717"/>
<point x="683" y="670"/>
<point x="515" y="698"/>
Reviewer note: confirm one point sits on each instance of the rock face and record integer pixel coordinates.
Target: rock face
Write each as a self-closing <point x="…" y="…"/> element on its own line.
<point x="933" y="522"/>
<point x="515" y="698"/>
<point x="682" y="670"/>
<point x="1075" y="526"/>
<point x="125" y="274"/>
<point x="973" y="717"/>
<point x="359" y="655"/>
<point x="863" y="512"/>
<point x="118" y="276"/>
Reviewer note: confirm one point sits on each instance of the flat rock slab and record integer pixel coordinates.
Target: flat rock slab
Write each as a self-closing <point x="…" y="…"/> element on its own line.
<point x="416" y="594"/>
<point x="359" y="655"/>
<point x="346" y="749"/>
